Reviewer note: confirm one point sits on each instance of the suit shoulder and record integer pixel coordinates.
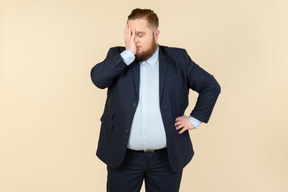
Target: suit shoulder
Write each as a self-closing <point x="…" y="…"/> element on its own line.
<point x="173" y="50"/>
<point x="117" y="49"/>
<point x="114" y="51"/>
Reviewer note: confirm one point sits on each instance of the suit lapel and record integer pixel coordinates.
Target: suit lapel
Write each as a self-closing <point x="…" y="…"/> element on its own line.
<point x="136" y="76"/>
<point x="163" y="66"/>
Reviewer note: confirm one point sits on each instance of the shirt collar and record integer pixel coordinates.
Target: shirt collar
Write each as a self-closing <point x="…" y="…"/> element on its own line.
<point x="154" y="58"/>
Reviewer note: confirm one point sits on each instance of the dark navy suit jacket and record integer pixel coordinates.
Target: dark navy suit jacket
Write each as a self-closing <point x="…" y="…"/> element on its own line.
<point x="177" y="74"/>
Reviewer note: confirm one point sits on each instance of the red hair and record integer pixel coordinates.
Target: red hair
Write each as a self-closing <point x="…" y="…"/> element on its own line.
<point x="147" y="14"/>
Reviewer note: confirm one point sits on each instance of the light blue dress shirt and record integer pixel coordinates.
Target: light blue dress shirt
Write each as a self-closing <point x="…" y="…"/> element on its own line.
<point x="147" y="131"/>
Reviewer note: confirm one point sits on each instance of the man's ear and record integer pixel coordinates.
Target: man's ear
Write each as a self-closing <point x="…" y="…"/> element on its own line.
<point x="156" y="35"/>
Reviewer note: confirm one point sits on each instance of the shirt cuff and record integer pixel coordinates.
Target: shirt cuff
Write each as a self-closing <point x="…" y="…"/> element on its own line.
<point x="127" y="56"/>
<point x="195" y="122"/>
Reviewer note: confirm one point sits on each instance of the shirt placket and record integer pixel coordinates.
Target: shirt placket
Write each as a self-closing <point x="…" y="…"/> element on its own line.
<point x="145" y="90"/>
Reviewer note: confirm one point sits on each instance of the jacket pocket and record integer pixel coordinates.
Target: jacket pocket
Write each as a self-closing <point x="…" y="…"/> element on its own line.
<point x="107" y="120"/>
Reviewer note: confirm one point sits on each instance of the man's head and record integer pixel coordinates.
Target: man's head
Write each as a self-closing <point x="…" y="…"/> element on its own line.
<point x="145" y="22"/>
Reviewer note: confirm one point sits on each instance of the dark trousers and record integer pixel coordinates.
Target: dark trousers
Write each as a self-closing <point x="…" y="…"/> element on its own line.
<point x="152" y="167"/>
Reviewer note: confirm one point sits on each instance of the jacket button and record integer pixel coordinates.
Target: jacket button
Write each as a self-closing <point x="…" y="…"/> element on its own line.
<point x="134" y="104"/>
<point x="126" y="131"/>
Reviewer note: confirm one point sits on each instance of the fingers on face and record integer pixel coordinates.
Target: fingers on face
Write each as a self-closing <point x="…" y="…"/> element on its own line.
<point x="129" y="32"/>
<point x="133" y="33"/>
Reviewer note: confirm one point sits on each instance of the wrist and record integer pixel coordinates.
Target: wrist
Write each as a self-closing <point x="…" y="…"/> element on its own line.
<point x="132" y="50"/>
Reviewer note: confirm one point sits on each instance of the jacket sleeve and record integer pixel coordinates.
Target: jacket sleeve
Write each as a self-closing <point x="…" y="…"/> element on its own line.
<point x="205" y="85"/>
<point x="104" y="73"/>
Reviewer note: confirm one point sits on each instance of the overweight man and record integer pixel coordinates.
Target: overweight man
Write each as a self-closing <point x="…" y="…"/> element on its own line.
<point x="144" y="132"/>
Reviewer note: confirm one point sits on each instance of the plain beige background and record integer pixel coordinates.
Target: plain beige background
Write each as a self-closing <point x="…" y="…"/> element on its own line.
<point x="50" y="110"/>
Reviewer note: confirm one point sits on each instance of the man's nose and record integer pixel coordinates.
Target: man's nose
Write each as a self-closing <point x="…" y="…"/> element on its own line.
<point x="136" y="39"/>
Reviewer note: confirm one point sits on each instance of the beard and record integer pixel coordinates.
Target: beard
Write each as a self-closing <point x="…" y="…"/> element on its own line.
<point x="144" y="55"/>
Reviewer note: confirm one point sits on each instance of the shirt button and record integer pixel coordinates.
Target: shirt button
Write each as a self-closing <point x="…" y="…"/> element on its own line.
<point x="134" y="104"/>
<point x="126" y="131"/>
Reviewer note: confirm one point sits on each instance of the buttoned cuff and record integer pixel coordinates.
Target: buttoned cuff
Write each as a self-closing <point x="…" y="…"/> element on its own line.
<point x="127" y="56"/>
<point x="195" y="122"/>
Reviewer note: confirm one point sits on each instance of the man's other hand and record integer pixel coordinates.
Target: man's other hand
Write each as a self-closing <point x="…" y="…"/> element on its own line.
<point x="183" y="124"/>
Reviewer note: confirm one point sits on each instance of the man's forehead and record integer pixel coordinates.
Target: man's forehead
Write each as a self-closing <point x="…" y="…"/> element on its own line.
<point x="140" y="25"/>
<point x="138" y="22"/>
